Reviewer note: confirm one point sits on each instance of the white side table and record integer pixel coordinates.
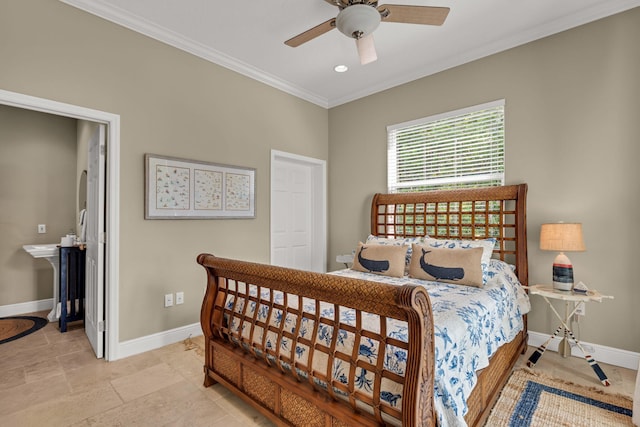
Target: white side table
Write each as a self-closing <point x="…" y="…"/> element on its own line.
<point x="547" y="292"/>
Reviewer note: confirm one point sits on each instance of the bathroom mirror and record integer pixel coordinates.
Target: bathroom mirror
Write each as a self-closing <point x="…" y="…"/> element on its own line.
<point x="82" y="191"/>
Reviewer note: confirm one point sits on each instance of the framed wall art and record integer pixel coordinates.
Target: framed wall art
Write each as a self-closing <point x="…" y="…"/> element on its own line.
<point x="190" y="189"/>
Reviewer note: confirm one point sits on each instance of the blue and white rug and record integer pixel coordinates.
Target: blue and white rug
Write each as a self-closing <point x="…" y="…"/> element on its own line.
<point x="530" y="399"/>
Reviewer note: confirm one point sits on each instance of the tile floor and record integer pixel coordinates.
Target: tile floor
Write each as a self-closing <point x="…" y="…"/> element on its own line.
<point x="53" y="379"/>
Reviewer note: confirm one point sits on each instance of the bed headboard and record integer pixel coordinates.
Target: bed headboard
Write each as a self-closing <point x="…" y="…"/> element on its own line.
<point x="478" y="213"/>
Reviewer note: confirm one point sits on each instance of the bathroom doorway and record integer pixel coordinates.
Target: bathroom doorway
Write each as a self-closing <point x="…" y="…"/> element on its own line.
<point x="103" y="333"/>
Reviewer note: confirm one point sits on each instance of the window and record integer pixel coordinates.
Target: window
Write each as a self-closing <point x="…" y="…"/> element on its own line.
<point x="463" y="148"/>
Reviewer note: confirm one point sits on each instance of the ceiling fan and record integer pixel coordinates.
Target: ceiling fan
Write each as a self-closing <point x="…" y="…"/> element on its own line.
<point x="359" y="18"/>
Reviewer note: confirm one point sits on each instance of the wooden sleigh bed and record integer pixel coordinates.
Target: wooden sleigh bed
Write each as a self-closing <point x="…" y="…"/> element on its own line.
<point x="261" y="322"/>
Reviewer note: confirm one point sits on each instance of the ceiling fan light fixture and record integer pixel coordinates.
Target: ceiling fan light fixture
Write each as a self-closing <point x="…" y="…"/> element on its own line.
<point x="366" y="50"/>
<point x="358" y="20"/>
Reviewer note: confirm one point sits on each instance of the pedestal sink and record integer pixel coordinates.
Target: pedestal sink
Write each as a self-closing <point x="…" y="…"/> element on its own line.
<point x="51" y="253"/>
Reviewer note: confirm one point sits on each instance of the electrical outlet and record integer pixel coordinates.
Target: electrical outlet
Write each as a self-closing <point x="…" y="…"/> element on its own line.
<point x="179" y="298"/>
<point x="168" y="300"/>
<point x="581" y="309"/>
<point x="42" y="228"/>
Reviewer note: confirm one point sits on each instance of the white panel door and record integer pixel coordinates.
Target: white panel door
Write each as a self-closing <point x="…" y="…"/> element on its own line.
<point x="94" y="297"/>
<point x="291" y="233"/>
<point x="298" y="212"/>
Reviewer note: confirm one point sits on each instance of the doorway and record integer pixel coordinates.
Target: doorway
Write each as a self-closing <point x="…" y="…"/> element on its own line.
<point x="110" y="214"/>
<point x="298" y="212"/>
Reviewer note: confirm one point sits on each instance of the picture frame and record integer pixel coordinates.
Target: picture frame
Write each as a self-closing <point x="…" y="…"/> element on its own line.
<point x="178" y="188"/>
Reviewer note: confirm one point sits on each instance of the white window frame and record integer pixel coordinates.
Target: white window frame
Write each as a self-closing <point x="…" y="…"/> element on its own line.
<point x="493" y="173"/>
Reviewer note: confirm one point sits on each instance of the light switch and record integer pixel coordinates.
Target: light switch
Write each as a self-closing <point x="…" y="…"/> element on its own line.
<point x="168" y="300"/>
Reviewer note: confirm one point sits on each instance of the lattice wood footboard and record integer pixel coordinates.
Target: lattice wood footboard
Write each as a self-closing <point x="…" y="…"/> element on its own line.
<point x="254" y="316"/>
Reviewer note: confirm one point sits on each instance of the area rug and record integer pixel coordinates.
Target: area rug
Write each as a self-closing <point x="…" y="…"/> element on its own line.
<point x="532" y="399"/>
<point x="12" y="328"/>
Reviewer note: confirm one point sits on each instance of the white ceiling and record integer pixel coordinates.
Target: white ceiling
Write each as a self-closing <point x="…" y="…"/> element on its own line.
<point x="248" y="36"/>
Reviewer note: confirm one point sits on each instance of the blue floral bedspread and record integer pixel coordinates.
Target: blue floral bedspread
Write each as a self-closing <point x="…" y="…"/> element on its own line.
<point x="470" y="325"/>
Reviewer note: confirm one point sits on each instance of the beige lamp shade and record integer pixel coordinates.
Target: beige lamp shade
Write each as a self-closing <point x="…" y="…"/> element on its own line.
<point x="562" y="237"/>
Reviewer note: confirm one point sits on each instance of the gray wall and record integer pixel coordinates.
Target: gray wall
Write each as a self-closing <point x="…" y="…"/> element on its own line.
<point x="571" y="103"/>
<point x="572" y="128"/>
<point x="170" y="103"/>
<point x="37" y="186"/>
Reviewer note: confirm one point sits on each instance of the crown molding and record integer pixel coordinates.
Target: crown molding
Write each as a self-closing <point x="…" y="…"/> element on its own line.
<point x="171" y="38"/>
<point x="138" y="24"/>
<point x="585" y="16"/>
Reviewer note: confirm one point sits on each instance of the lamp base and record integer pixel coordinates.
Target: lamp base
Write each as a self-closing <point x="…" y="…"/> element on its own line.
<point x="562" y="273"/>
<point x="562" y="286"/>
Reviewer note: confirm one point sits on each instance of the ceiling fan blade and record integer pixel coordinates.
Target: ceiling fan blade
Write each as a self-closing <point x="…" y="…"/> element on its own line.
<point x="426" y="15"/>
<point x="312" y="33"/>
<point x="366" y="49"/>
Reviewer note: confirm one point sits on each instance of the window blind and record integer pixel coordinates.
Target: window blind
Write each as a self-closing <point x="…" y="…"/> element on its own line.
<point x="462" y="148"/>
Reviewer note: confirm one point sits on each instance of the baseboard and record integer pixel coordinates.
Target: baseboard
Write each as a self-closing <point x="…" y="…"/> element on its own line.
<point x="160" y="339"/>
<point x="602" y="353"/>
<point x="26" y="307"/>
<point x="613" y="356"/>
<point x="123" y="349"/>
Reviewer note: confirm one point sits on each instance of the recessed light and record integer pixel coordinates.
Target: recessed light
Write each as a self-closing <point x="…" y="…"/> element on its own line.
<point x="340" y="68"/>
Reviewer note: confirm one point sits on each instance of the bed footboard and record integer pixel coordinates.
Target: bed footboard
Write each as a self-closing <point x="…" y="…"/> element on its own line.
<point x="315" y="349"/>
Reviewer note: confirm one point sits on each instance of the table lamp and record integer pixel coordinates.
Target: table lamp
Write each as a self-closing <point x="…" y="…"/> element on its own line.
<point x="562" y="237"/>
